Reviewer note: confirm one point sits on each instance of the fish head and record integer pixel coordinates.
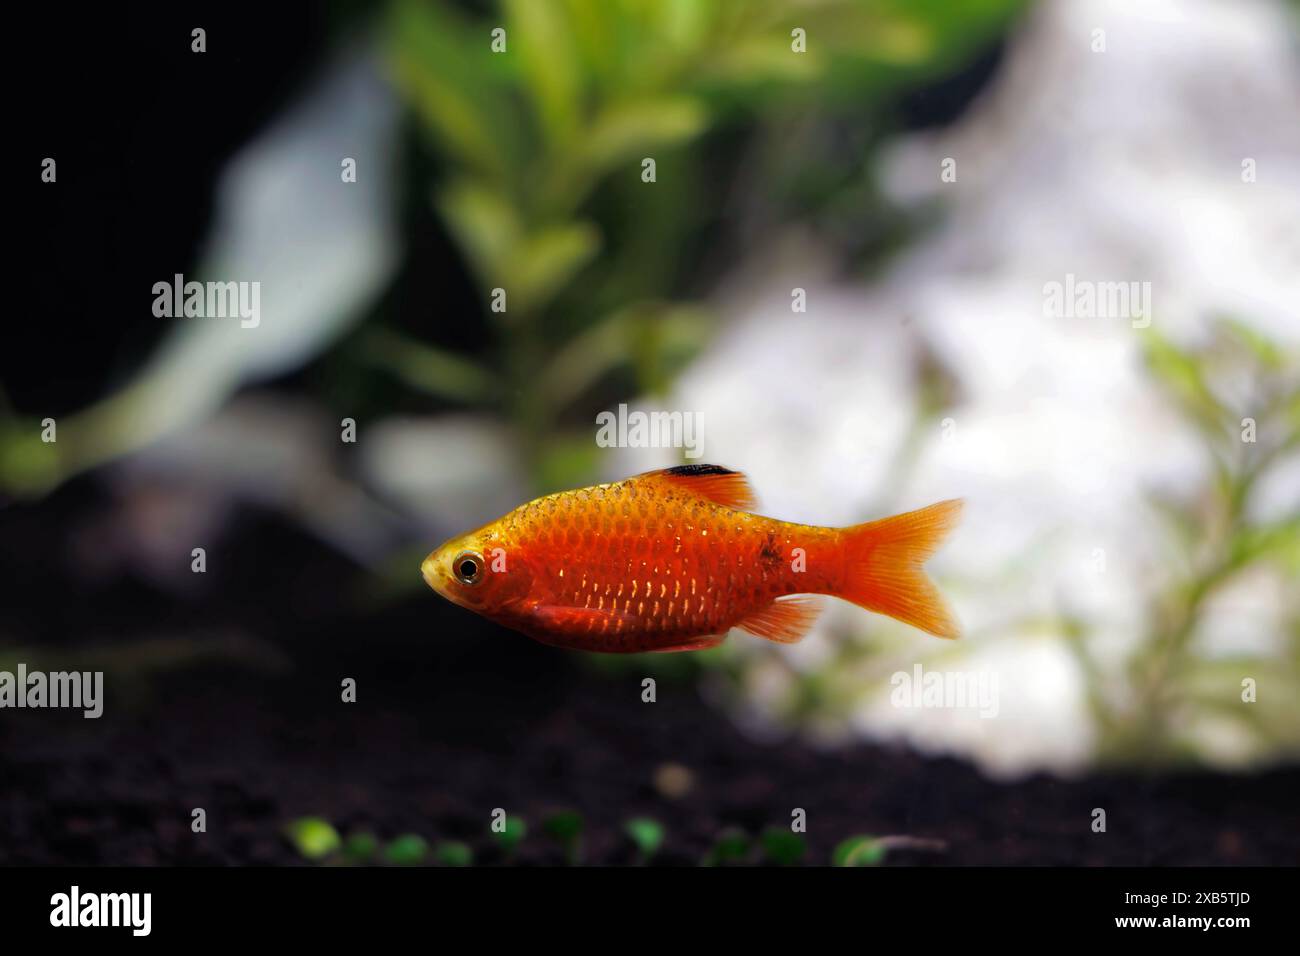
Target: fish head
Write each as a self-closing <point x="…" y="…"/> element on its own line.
<point x="479" y="571"/>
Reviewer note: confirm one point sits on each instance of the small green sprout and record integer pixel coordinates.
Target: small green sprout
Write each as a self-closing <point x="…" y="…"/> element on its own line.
<point x="565" y="827"/>
<point x="453" y="853"/>
<point x="360" y="847"/>
<point x="407" y="850"/>
<point x="312" y="837"/>
<point x="732" y="846"/>
<point x="647" y="834"/>
<point x="783" y="846"/>
<point x="860" y="851"/>
<point x="509" y="838"/>
<point x="870" y="851"/>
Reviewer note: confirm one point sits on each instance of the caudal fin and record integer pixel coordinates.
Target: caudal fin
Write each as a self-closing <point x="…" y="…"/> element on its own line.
<point x="883" y="568"/>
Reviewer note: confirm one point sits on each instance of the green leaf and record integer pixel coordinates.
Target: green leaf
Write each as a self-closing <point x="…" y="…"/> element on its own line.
<point x="542" y="37"/>
<point x="1281" y="539"/>
<point x="530" y="266"/>
<point x="655" y="339"/>
<point x="664" y="341"/>
<point x="563" y="825"/>
<point x="430" y="369"/>
<point x="755" y="62"/>
<point x="406" y="850"/>
<point x="28" y="465"/>
<point x="512" y="835"/>
<point x="872" y="34"/>
<point x="592" y="24"/>
<point x="1182" y="376"/>
<point x="453" y="853"/>
<point x="486" y="226"/>
<point x="459" y="89"/>
<point x="1265" y="350"/>
<point x="783" y="846"/>
<point x="859" y="851"/>
<point x="627" y="131"/>
<point x="360" y="847"/>
<point x="647" y="834"/>
<point x="732" y="846"/>
<point x="546" y="261"/>
<point x="312" y="837"/>
<point x="685" y="24"/>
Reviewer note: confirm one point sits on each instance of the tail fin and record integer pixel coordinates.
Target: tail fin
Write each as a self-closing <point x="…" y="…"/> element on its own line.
<point x="883" y="567"/>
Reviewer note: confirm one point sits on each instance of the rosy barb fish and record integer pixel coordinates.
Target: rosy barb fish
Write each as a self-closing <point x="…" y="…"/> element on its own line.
<point x="671" y="560"/>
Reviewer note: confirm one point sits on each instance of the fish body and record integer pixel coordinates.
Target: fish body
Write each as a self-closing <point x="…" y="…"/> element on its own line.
<point x="671" y="560"/>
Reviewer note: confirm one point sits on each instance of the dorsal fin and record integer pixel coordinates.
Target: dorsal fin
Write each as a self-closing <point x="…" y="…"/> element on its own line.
<point x="711" y="482"/>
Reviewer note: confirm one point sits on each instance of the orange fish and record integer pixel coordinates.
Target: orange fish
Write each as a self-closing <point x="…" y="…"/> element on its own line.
<point x="672" y="560"/>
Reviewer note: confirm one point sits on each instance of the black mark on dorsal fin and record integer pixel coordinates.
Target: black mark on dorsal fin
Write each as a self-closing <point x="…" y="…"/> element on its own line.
<point x="713" y="483"/>
<point x="696" y="471"/>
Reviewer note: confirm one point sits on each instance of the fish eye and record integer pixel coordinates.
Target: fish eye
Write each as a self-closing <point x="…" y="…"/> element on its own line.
<point x="468" y="568"/>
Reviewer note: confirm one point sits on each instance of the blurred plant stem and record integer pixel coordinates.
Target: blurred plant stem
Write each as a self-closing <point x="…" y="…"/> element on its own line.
<point x="428" y="368"/>
<point x="1220" y="539"/>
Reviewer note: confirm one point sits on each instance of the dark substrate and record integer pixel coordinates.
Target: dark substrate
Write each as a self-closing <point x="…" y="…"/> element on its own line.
<point x="455" y="718"/>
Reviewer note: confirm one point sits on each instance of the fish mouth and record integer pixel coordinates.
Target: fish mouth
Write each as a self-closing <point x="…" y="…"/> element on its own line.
<point x="433" y="576"/>
<point x="434" y="570"/>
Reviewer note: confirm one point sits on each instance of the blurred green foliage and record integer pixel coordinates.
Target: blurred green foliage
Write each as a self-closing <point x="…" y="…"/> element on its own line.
<point x="453" y="853"/>
<point x="317" y="841"/>
<point x="410" y="849"/>
<point x="511" y="835"/>
<point x="565" y="828"/>
<point x="313" y="837"/>
<point x="859" y="851"/>
<point x="1239" y="395"/>
<point x="538" y="154"/>
<point x="732" y="846"/>
<point x="865" y="850"/>
<point x="646" y="834"/>
<point x="782" y="846"/>
<point x="1217" y="538"/>
<point x="541" y="147"/>
<point x="360" y="847"/>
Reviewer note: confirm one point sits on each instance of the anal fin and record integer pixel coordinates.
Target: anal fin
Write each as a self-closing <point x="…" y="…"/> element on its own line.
<point x="786" y="620"/>
<point x="694" y="644"/>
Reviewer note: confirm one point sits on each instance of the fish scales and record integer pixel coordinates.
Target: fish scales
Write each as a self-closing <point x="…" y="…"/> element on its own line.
<point x="637" y="557"/>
